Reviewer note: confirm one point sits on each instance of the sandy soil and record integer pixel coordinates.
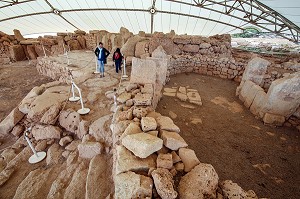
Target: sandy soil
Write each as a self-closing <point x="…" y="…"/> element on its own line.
<point x="16" y="80"/>
<point x="225" y="134"/>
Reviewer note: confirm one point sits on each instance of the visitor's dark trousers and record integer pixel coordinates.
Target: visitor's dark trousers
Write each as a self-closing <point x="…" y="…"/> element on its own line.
<point x="118" y="65"/>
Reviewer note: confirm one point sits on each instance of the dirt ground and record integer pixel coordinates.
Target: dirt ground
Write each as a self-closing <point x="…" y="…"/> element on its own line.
<point x="16" y="80"/>
<point x="225" y="134"/>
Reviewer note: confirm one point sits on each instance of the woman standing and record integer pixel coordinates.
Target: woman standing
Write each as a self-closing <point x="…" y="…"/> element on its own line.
<point x="117" y="58"/>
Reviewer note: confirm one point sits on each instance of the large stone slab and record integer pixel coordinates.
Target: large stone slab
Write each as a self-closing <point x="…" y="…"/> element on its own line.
<point x="166" y="123"/>
<point x="132" y="128"/>
<point x="126" y="161"/>
<point x="124" y="97"/>
<point x="164" y="161"/>
<point x="142" y="144"/>
<point x="130" y="185"/>
<point x="69" y="120"/>
<point x="255" y="70"/>
<point x="128" y="49"/>
<point x="283" y="97"/>
<point x="188" y="158"/>
<point x="143" y="71"/>
<point x="42" y="132"/>
<point x="258" y="103"/>
<point x="164" y="183"/>
<point x="173" y="140"/>
<point x="10" y="121"/>
<point x="201" y="182"/>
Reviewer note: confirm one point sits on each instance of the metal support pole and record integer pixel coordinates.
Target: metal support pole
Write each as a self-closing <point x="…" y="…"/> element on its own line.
<point x="73" y="98"/>
<point x="83" y="110"/>
<point x="37" y="156"/>
<point x="124" y="70"/>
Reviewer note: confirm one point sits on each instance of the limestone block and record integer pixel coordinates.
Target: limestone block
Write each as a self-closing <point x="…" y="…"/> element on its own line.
<point x="182" y="90"/>
<point x="167" y="44"/>
<point x="42" y="103"/>
<point x="197" y="39"/>
<point x="53" y="154"/>
<point x="182" y="97"/>
<point x="124" y="97"/>
<point x="164" y="161"/>
<point x="82" y="41"/>
<point x="141" y="48"/>
<point x="234" y="191"/>
<point x="73" y="145"/>
<point x="99" y="129"/>
<point x="188" y="158"/>
<point x="171" y="90"/>
<point x="31" y="52"/>
<point x="166" y="123"/>
<point x="18" y="130"/>
<point x="148" y="124"/>
<point x="179" y="166"/>
<point x="42" y="132"/>
<point x="17" y="53"/>
<point x="258" y="103"/>
<point x="175" y="157"/>
<point x="190" y="48"/>
<point x="143" y="71"/>
<point x="201" y="182"/>
<point x="205" y="45"/>
<point x="160" y="53"/>
<point x="18" y="35"/>
<point x="194" y="96"/>
<point x="89" y="149"/>
<point x="164" y="183"/>
<point x="130" y="185"/>
<point x="139" y="112"/>
<point x="154" y="133"/>
<point x="132" y="128"/>
<point x="131" y="86"/>
<point x="51" y="115"/>
<point x="10" y="121"/>
<point x="255" y="70"/>
<point x="65" y="140"/>
<point x="142" y="144"/>
<point x="283" y="97"/>
<point x="69" y="119"/>
<point x="41" y="145"/>
<point x="148" y="88"/>
<point x="182" y="39"/>
<point x="142" y="99"/>
<point x="83" y="128"/>
<point x="173" y="140"/>
<point x="74" y="45"/>
<point x="128" y="49"/>
<point x="126" y="161"/>
<point x="244" y="89"/>
<point x="273" y="119"/>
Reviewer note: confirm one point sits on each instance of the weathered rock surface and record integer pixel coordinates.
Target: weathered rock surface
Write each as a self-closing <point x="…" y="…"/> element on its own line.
<point x="164" y="183"/>
<point x="234" y="191"/>
<point x="130" y="185"/>
<point x="65" y="140"/>
<point x="132" y="128"/>
<point x="124" y="97"/>
<point x="54" y="154"/>
<point x="100" y="130"/>
<point x="10" y="121"/>
<point x="142" y="144"/>
<point x="51" y="115"/>
<point x="126" y="161"/>
<point x="142" y="99"/>
<point x="76" y="188"/>
<point x="18" y="130"/>
<point x="97" y="186"/>
<point x="201" y="182"/>
<point x="129" y="47"/>
<point x="89" y="149"/>
<point x="69" y="119"/>
<point x="148" y="124"/>
<point x="143" y="71"/>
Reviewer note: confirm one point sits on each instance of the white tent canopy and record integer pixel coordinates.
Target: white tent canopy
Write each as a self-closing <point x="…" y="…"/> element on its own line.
<point x="194" y="17"/>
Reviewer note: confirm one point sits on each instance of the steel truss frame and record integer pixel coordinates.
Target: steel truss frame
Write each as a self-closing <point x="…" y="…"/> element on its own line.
<point x="256" y="14"/>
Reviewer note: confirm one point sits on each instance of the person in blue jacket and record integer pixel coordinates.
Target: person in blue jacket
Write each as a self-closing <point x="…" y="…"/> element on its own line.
<point x="102" y="54"/>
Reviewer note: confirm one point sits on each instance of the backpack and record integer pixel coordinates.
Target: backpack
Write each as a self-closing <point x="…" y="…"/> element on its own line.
<point x="117" y="56"/>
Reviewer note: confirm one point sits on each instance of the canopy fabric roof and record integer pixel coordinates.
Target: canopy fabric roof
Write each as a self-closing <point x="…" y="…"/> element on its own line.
<point x="193" y="17"/>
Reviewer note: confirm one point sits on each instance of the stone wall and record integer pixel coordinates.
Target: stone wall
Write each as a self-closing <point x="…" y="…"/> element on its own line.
<point x="280" y="104"/>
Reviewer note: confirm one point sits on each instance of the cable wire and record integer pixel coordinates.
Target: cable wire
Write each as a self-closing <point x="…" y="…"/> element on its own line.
<point x="128" y="18"/>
